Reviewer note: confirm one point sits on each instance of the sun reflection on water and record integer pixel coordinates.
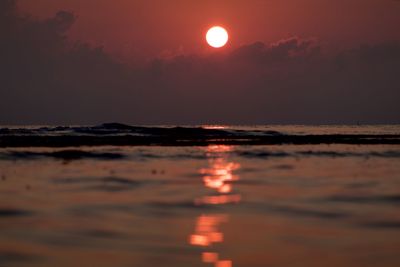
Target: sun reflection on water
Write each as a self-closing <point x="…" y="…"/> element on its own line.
<point x="218" y="177"/>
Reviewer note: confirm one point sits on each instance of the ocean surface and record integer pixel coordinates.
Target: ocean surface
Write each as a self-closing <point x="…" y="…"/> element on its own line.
<point x="221" y="196"/>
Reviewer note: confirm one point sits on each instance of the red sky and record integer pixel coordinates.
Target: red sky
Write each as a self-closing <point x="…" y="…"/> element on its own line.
<point x="148" y="28"/>
<point x="298" y="61"/>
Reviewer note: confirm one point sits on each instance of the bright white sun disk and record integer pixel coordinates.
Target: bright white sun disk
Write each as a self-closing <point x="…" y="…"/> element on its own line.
<point x="217" y="37"/>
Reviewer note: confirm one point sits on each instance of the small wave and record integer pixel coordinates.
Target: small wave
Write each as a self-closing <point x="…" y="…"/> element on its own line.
<point x="189" y="204"/>
<point x="108" y="184"/>
<point x="101" y="233"/>
<point x="385" y="154"/>
<point x="381" y="224"/>
<point x="12" y="257"/>
<point x="306" y="212"/>
<point x="262" y="154"/>
<point x="14" y="213"/>
<point x="63" y="154"/>
<point x="378" y="199"/>
<point x="321" y="153"/>
<point x="298" y="211"/>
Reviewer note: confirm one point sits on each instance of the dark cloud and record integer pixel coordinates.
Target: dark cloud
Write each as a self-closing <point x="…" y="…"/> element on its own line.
<point x="47" y="79"/>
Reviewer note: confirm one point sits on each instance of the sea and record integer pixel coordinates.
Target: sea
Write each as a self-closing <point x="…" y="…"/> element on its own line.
<point x="204" y="195"/>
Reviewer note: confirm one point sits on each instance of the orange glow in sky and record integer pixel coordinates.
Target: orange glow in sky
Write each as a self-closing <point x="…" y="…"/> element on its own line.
<point x="143" y="28"/>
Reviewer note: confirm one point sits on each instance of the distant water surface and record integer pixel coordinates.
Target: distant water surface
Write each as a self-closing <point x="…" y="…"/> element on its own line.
<point x="212" y="205"/>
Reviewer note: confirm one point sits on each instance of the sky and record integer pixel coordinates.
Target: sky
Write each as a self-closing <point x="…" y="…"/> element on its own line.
<point x="147" y="62"/>
<point x="132" y="29"/>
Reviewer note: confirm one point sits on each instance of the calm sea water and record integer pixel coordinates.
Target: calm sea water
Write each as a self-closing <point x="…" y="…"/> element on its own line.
<point x="216" y="205"/>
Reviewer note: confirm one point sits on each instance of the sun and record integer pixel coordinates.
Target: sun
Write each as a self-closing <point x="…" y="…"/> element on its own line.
<point x="217" y="37"/>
